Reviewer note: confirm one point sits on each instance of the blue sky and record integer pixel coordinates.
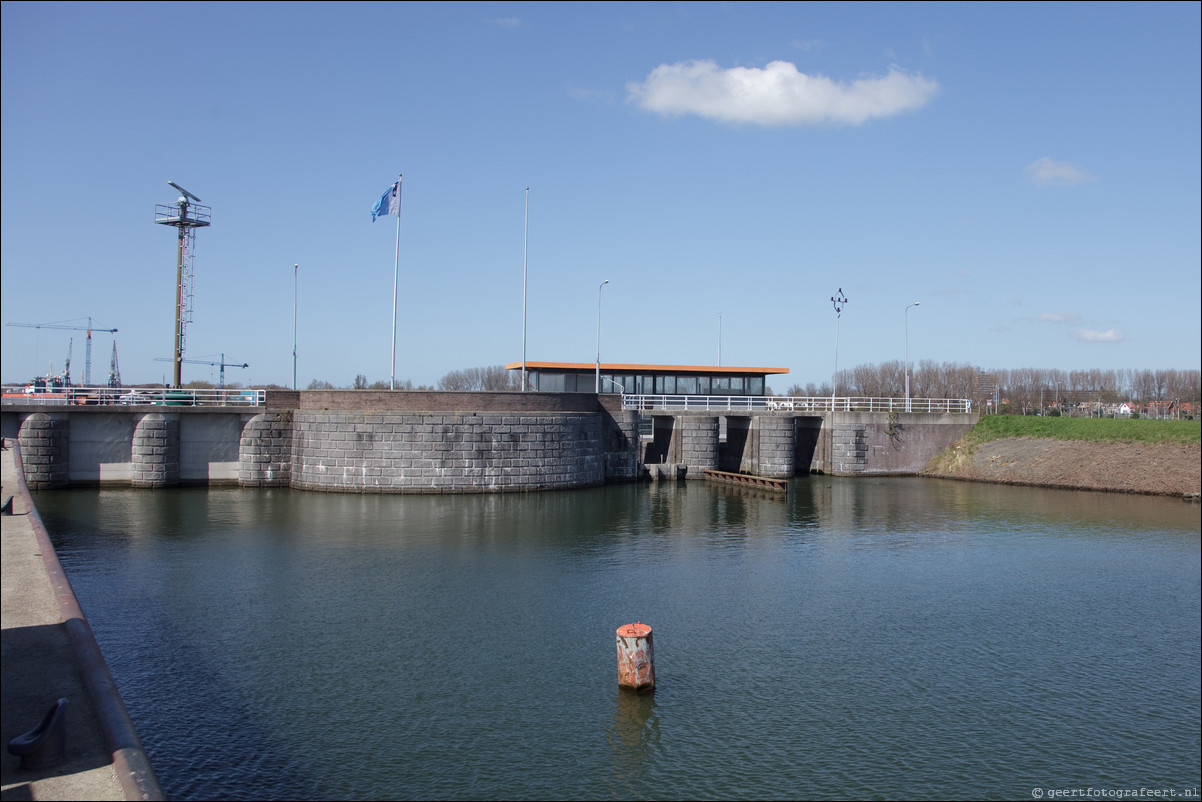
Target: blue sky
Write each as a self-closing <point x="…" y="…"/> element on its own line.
<point x="1028" y="172"/>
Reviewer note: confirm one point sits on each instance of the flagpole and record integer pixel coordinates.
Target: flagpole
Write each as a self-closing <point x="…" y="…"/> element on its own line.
<point x="525" y="240"/>
<point x="395" y="274"/>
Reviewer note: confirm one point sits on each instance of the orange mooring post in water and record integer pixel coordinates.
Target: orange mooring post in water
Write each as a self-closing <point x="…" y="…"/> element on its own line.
<point x="636" y="657"/>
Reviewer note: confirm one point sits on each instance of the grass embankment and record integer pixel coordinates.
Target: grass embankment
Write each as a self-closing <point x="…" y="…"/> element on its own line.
<point x="1088" y="430"/>
<point x="1091" y="430"/>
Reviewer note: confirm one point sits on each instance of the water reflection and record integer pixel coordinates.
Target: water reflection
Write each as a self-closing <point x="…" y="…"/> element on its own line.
<point x="634" y="737"/>
<point x="874" y="637"/>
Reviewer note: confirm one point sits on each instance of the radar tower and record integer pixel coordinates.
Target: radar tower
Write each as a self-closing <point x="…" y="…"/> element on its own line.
<point x="186" y="215"/>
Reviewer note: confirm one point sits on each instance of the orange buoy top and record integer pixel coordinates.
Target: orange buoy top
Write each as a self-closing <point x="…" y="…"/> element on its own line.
<point x="639" y="630"/>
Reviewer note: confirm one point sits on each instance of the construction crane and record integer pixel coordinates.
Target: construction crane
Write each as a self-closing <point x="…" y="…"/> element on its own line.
<point x="222" y="363"/>
<point x="87" y="373"/>
<point x="114" y="371"/>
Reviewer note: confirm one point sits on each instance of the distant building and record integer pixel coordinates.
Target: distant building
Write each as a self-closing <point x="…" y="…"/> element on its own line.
<point x="581" y="377"/>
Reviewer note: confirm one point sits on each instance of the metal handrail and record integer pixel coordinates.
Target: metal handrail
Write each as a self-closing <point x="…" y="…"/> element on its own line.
<point x="772" y="403"/>
<point x="131" y="396"/>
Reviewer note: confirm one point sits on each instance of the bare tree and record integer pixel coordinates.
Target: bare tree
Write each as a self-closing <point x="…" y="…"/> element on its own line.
<point x="489" y="379"/>
<point x="455" y="381"/>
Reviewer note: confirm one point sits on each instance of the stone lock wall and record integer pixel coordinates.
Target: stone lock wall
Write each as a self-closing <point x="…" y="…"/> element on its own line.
<point x="265" y="450"/>
<point x="622" y="445"/>
<point x="698" y="443"/>
<point x="777" y="446"/>
<point x="884" y="444"/>
<point x="154" y="455"/>
<point x="415" y="442"/>
<point x="436" y="452"/>
<point x="45" y="455"/>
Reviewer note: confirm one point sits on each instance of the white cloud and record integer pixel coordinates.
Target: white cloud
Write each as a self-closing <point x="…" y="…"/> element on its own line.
<point x="1060" y="317"/>
<point x="507" y="22"/>
<point x="1046" y="172"/>
<point x="1093" y="336"/>
<point x="777" y="95"/>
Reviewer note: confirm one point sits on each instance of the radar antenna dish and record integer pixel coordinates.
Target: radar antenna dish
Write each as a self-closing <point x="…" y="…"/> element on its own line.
<point x="184" y="192"/>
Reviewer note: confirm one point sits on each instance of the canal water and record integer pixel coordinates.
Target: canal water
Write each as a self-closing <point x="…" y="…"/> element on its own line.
<point x="890" y="638"/>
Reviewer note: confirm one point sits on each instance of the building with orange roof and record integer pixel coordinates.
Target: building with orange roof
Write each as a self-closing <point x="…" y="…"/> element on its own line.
<point x="638" y="379"/>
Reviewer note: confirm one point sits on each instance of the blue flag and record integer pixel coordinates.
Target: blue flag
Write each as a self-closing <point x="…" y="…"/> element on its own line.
<point x="389" y="202"/>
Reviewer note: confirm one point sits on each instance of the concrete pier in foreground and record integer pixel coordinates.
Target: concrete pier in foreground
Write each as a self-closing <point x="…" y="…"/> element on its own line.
<point x="49" y="653"/>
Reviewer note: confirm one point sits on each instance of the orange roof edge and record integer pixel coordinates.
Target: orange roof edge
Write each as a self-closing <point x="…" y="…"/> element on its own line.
<point x="622" y="366"/>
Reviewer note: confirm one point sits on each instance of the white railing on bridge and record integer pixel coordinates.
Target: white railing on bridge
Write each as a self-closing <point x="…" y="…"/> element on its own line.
<point x="772" y="403"/>
<point x="132" y="396"/>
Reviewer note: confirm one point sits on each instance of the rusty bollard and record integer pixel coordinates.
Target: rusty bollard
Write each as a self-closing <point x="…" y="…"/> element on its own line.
<point x="636" y="657"/>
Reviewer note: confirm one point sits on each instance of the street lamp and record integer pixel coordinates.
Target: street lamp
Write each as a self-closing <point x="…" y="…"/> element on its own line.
<point x="603" y="283"/>
<point x="525" y="240"/>
<point x="295" y="279"/>
<point x="906" y="366"/>
<point x="839" y="301"/>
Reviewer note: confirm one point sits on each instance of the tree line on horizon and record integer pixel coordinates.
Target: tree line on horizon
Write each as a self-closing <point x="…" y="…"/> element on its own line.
<point x="1022" y="390"/>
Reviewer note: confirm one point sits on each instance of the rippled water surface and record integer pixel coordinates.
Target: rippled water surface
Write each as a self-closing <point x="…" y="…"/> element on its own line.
<point x="857" y="638"/>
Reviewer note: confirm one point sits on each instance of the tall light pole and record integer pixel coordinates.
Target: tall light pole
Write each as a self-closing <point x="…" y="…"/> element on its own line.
<point x="295" y="280"/>
<point x="603" y="283"/>
<point x="906" y="366"/>
<point x="839" y="301"/>
<point x="525" y="240"/>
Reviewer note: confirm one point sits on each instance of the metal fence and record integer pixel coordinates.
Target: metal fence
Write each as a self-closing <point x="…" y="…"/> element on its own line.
<point x="750" y="403"/>
<point x="132" y="396"/>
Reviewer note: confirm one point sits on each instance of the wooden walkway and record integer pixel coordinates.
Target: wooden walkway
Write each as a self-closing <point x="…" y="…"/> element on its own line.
<point x="747" y="480"/>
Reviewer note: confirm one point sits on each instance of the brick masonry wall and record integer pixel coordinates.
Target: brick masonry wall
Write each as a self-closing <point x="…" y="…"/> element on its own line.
<point x="439" y="452"/>
<point x="439" y="401"/>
